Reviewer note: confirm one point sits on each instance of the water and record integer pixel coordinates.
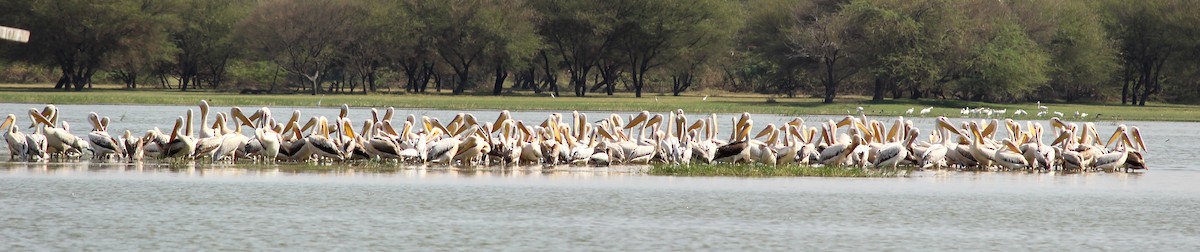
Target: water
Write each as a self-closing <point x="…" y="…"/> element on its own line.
<point x="95" y="206"/>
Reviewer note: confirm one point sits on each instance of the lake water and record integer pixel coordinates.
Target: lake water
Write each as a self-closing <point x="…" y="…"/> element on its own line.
<point x="105" y="206"/>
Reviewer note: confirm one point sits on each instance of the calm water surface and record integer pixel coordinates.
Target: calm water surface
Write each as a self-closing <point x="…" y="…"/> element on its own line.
<point x="172" y="207"/>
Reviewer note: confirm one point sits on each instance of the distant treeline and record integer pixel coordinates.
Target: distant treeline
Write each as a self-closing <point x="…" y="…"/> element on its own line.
<point x="1008" y="50"/>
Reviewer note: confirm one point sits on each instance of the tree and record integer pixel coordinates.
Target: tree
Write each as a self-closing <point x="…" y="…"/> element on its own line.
<point x="579" y="32"/>
<point x="1082" y="58"/>
<point x="823" y="37"/>
<point x="656" y="32"/>
<point x="1009" y="65"/>
<point x="148" y="50"/>
<point x="516" y="42"/>
<point x="79" y="36"/>
<point x="1151" y="34"/>
<point x="765" y="58"/>
<point x="302" y="36"/>
<point x="467" y="32"/>
<point x="205" y="40"/>
<point x="885" y="36"/>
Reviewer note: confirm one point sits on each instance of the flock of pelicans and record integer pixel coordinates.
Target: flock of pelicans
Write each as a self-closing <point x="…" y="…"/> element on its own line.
<point x="642" y="139"/>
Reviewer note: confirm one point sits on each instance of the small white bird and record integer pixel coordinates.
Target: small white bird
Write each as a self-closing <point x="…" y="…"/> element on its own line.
<point x="860" y="110"/>
<point x="705" y="98"/>
<point x="1082" y="115"/>
<point x="1020" y="112"/>
<point x="1040" y="107"/>
<point x="926" y="110"/>
<point x="1041" y="114"/>
<point x="1059" y="114"/>
<point x="909" y="111"/>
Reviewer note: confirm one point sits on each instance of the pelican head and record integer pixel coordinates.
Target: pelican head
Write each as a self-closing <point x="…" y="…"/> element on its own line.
<point x="633" y="122"/>
<point x="343" y="111"/>
<point x="1120" y="132"/>
<point x="9" y="122"/>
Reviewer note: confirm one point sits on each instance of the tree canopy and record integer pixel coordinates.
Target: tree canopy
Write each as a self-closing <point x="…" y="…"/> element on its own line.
<point x="1001" y="51"/>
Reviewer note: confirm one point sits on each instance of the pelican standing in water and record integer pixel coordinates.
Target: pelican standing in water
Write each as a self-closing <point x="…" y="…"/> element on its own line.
<point x="205" y="132"/>
<point x="738" y="149"/>
<point x="179" y="145"/>
<point x="231" y="142"/>
<point x="58" y="140"/>
<point x="103" y="145"/>
<point x="894" y="153"/>
<point x="18" y="145"/>
<point x="134" y="149"/>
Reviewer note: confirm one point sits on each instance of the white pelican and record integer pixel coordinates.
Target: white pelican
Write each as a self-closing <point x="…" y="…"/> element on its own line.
<point x="206" y="143"/>
<point x="134" y="149"/>
<point x="765" y="152"/>
<point x="837" y="152"/>
<point x="231" y="142"/>
<point x="644" y="149"/>
<point x="269" y="141"/>
<point x="706" y="149"/>
<point x="18" y="145"/>
<point x="320" y="143"/>
<point x="1040" y="155"/>
<point x="153" y="142"/>
<point x="738" y="149"/>
<point x="102" y="144"/>
<point x="205" y="131"/>
<point x="582" y="154"/>
<point x="381" y="145"/>
<point x="1118" y="159"/>
<point x="1009" y="156"/>
<point x="411" y="146"/>
<point x="178" y="145"/>
<point x="442" y="151"/>
<point x="980" y="149"/>
<point x="894" y="153"/>
<point x="58" y="140"/>
<point x="351" y="143"/>
<point x="473" y="148"/>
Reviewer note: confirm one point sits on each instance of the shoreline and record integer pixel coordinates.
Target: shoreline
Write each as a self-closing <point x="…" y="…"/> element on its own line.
<point x="692" y="103"/>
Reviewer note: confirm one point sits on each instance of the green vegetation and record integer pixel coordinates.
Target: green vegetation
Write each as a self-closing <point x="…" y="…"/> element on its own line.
<point x="622" y="102"/>
<point x="760" y="170"/>
<point x="1071" y="51"/>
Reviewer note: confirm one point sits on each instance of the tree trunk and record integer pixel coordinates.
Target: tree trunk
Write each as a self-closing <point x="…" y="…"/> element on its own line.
<point x="879" y="87"/>
<point x="463" y="80"/>
<point x="183" y="82"/>
<point x="1127" y="78"/>
<point x="316" y="82"/>
<point x="501" y="75"/>
<point x="63" y="80"/>
<point x="681" y="82"/>
<point x="637" y="86"/>
<point x="830" y="85"/>
<point x="371" y="78"/>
